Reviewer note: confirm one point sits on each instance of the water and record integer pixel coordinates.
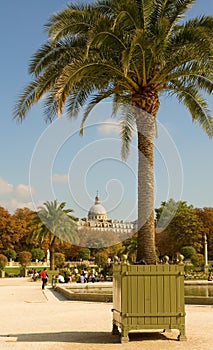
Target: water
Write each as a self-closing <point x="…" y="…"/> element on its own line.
<point x="198" y="291"/>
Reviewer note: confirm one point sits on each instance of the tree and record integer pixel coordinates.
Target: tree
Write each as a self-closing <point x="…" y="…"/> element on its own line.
<point x="84" y="253"/>
<point x="20" y="220"/>
<point x="10" y="254"/>
<point x="206" y="215"/>
<point x="166" y="212"/>
<point x="131" y="51"/>
<point x="7" y="230"/>
<point x="59" y="259"/>
<point x="184" y="229"/>
<point x="3" y="261"/>
<point x="53" y="222"/>
<point x="24" y="258"/>
<point x="37" y="254"/>
<point x="188" y="251"/>
<point x="130" y="248"/>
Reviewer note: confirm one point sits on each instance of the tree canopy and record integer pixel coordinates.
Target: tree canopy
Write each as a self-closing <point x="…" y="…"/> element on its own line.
<point x="132" y="51"/>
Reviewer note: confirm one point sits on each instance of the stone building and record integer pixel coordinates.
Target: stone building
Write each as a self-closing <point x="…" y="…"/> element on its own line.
<point x="97" y="220"/>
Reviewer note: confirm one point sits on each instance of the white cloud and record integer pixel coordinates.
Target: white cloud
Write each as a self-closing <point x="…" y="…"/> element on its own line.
<point x="13" y="197"/>
<point x="5" y="187"/>
<point x="59" y="178"/>
<point x="11" y="204"/>
<point x="23" y="191"/>
<point x="109" y="127"/>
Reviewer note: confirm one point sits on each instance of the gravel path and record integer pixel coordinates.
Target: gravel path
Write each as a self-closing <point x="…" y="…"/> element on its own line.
<point x="33" y="319"/>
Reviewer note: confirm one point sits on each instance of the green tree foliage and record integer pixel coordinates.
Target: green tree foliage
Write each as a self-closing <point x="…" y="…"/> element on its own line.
<point x="131" y="51"/>
<point x="10" y="254"/>
<point x="37" y="254"/>
<point x="84" y="254"/>
<point x="53" y="223"/>
<point x="130" y="248"/>
<point x="3" y="261"/>
<point x="167" y="211"/>
<point x="188" y="251"/>
<point x="184" y="229"/>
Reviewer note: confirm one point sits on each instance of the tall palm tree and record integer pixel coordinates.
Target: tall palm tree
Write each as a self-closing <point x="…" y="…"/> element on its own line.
<point x="51" y="223"/>
<point x="131" y="51"/>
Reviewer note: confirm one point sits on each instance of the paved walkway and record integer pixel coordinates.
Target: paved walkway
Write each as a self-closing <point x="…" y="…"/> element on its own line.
<point x="31" y="319"/>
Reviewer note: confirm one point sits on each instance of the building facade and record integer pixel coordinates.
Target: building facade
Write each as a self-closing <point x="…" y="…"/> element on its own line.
<point x="97" y="220"/>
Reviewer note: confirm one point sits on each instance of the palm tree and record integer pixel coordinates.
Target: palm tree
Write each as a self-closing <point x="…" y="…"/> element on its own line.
<point x="52" y="223"/>
<point x="131" y="51"/>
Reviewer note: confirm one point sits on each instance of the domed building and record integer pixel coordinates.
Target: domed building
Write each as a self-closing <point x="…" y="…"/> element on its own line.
<point x="97" y="220"/>
<point x="97" y="211"/>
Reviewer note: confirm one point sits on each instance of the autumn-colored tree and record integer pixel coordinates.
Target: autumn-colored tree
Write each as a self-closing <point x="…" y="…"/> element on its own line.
<point x="24" y="258"/>
<point x="59" y="260"/>
<point x="3" y="261"/>
<point x="6" y="230"/>
<point x="21" y="219"/>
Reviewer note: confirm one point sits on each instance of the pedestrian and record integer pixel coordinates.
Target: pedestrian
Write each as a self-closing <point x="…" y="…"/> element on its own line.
<point x="43" y="275"/>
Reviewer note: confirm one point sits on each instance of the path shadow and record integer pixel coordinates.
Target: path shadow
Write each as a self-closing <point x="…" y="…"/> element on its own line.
<point x="86" y="337"/>
<point x="70" y="337"/>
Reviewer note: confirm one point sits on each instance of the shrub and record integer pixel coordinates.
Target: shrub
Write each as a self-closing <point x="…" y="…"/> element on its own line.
<point x="84" y="254"/>
<point x="100" y="259"/>
<point x="197" y="260"/>
<point x="10" y="254"/>
<point x="59" y="259"/>
<point x="37" y="254"/>
<point x="24" y="258"/>
<point x="188" y="251"/>
<point x="3" y="261"/>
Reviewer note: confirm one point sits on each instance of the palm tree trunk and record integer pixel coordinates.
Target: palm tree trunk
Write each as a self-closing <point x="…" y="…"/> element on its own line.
<point x="145" y="122"/>
<point x="52" y="258"/>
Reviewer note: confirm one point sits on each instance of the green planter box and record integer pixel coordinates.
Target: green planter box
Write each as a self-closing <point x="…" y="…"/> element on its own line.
<point x="148" y="297"/>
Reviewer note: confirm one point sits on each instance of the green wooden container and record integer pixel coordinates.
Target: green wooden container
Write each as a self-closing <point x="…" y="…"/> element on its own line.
<point x="148" y="297"/>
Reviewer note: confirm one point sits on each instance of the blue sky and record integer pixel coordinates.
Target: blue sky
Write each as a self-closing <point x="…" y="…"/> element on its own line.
<point x="42" y="162"/>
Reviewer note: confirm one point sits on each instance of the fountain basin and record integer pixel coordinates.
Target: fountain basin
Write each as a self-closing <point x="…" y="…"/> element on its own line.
<point x="196" y="292"/>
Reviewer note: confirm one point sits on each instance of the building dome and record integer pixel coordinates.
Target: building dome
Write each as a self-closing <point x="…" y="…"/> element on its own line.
<point x="97" y="211"/>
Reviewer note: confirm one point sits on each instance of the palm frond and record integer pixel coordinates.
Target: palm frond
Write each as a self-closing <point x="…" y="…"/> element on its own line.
<point x="97" y="99"/>
<point x="196" y="105"/>
<point x="127" y="124"/>
<point x="26" y="100"/>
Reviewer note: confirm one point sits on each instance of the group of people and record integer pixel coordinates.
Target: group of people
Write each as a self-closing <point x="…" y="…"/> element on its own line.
<point x="85" y="277"/>
<point x="63" y="279"/>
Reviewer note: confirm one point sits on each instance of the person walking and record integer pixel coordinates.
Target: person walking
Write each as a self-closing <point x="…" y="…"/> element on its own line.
<point x="43" y="275"/>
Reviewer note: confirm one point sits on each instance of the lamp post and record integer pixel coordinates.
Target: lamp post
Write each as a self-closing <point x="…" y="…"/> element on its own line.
<point x="205" y="254"/>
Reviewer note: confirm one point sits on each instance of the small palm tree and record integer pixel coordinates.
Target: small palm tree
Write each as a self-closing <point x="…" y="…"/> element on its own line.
<point x="51" y="223"/>
<point x="131" y="51"/>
